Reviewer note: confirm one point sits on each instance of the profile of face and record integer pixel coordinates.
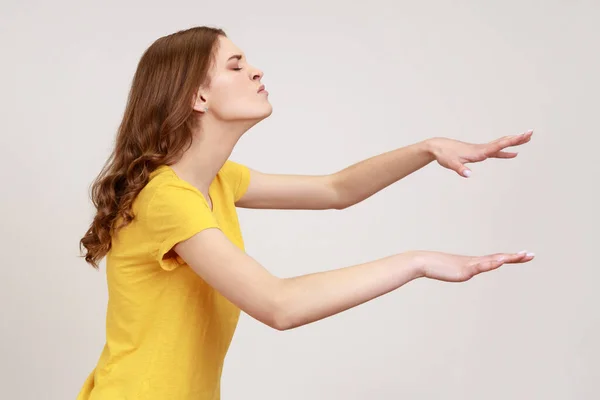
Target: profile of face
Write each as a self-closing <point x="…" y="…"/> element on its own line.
<point x="235" y="90"/>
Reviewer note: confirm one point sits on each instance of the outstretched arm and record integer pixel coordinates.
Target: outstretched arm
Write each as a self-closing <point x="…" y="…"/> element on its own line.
<point x="360" y="181"/>
<point x="292" y="302"/>
<point x="336" y="191"/>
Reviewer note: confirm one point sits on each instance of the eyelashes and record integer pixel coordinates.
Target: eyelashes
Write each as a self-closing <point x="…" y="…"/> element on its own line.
<point x="237" y="69"/>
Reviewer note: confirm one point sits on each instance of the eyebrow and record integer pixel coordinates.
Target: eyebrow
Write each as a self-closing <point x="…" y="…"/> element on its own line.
<point x="238" y="56"/>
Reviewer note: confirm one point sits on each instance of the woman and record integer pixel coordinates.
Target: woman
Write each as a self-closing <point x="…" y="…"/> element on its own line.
<point x="166" y="221"/>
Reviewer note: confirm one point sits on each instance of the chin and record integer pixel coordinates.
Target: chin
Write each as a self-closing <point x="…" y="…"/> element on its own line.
<point x="268" y="111"/>
<point x="254" y="115"/>
<point x="264" y="113"/>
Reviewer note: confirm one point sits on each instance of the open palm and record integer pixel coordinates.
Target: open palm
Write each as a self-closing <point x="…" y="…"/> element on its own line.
<point x="459" y="268"/>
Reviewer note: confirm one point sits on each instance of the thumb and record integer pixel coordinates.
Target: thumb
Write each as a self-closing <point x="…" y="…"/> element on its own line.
<point x="460" y="169"/>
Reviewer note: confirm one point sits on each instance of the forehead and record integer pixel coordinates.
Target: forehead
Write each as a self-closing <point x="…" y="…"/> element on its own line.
<point x="227" y="49"/>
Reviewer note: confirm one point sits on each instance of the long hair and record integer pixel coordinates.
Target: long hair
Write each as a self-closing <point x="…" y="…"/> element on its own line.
<point x="156" y="128"/>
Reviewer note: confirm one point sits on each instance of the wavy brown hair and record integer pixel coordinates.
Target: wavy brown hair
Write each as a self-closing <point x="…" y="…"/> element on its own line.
<point x="156" y="128"/>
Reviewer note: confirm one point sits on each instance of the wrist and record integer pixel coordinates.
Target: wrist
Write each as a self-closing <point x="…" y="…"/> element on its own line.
<point x="415" y="262"/>
<point x="429" y="148"/>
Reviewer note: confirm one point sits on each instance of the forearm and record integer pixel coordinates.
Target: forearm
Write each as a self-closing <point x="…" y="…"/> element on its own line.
<point x="308" y="298"/>
<point x="365" y="178"/>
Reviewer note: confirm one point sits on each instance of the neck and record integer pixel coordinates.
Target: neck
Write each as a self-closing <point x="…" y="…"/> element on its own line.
<point x="211" y="147"/>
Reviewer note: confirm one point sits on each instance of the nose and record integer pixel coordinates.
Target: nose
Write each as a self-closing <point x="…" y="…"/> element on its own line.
<point x="257" y="74"/>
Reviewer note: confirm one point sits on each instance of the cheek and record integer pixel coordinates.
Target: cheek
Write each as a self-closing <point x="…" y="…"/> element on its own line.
<point x="232" y="94"/>
<point x="229" y="89"/>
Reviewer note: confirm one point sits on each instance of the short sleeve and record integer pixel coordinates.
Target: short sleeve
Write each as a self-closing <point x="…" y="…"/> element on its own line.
<point x="175" y="213"/>
<point x="238" y="177"/>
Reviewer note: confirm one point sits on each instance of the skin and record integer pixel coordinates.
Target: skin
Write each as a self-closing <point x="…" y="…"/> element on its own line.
<point x="234" y="106"/>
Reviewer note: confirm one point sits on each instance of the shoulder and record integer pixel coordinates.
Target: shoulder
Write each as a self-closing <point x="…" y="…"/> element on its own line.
<point x="166" y="193"/>
<point x="172" y="211"/>
<point x="236" y="176"/>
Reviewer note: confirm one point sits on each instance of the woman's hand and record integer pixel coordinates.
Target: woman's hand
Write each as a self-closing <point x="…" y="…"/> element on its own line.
<point x="453" y="154"/>
<point x="458" y="268"/>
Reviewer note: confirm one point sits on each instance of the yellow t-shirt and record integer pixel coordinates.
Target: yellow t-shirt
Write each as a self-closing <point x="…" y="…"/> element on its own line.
<point x="167" y="331"/>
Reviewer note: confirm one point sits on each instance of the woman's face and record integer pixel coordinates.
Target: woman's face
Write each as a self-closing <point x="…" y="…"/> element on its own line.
<point x="234" y="90"/>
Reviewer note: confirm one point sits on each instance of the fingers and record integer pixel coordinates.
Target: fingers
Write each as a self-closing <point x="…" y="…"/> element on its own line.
<point x="504" y="154"/>
<point x="513" y="258"/>
<point x="497" y="145"/>
<point x="494" y="261"/>
<point x="522" y="138"/>
<point x="488" y="265"/>
<point x="521" y="257"/>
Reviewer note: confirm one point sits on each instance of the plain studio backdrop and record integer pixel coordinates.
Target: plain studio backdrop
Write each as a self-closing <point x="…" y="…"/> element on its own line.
<point x="347" y="81"/>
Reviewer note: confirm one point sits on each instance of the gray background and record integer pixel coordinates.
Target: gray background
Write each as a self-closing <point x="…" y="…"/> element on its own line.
<point x="347" y="81"/>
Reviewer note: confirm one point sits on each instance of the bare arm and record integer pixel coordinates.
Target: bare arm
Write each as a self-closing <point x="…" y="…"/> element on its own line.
<point x="291" y="302"/>
<point x="363" y="179"/>
<point x="312" y="297"/>
<point x="289" y="192"/>
<point x="338" y="190"/>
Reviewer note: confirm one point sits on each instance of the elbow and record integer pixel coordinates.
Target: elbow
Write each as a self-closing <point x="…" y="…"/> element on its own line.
<point x="271" y="317"/>
<point x="338" y="200"/>
<point x="341" y="206"/>
<point x="282" y="310"/>
<point x="279" y="318"/>
<point x="278" y="315"/>
<point x="280" y="323"/>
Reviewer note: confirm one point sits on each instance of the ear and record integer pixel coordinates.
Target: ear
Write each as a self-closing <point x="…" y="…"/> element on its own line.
<point x="200" y="103"/>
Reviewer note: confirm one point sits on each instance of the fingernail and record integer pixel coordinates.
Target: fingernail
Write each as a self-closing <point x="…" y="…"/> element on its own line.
<point x="530" y="254"/>
<point x="467" y="173"/>
<point x="522" y="252"/>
